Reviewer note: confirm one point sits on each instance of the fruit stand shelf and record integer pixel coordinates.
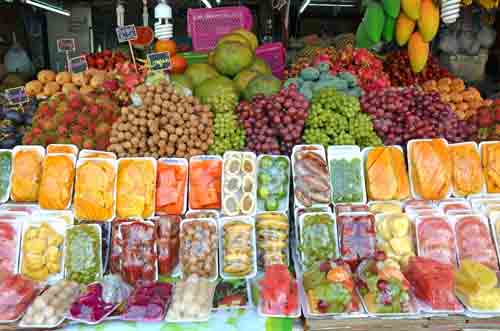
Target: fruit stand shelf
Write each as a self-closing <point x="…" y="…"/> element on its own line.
<point x="378" y="324"/>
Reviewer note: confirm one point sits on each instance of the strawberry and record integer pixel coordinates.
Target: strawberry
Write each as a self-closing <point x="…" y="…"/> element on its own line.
<point x="76" y="139"/>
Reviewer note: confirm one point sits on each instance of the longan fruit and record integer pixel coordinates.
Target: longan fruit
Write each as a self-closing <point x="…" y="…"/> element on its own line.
<point x="203" y="136"/>
<point x="172" y="108"/>
<point x="185" y="116"/>
<point x="170" y="151"/>
<point x="163" y="134"/>
<point x="128" y="135"/>
<point x="181" y="147"/>
<point x="127" y="145"/>
<point x="172" y="137"/>
<point x="170" y="128"/>
<point x="179" y="131"/>
<point x="201" y="127"/>
<point x="204" y="147"/>
<point x="151" y="142"/>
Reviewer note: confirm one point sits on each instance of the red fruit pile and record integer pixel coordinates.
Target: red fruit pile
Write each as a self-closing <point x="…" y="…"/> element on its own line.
<point x="487" y="122"/>
<point x="16" y="294"/>
<point x="364" y="65"/>
<point x="91" y="306"/>
<point x="402" y="114"/>
<point x="397" y="65"/>
<point x="148" y="302"/>
<point x="105" y="60"/>
<point x="274" y="124"/>
<point x="81" y="119"/>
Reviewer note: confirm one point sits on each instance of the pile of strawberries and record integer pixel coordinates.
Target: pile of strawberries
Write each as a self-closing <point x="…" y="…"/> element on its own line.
<point x="81" y="119"/>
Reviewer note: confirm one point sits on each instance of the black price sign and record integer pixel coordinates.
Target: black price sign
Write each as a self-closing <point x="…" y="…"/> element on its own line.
<point x="66" y="45"/>
<point x="159" y="61"/>
<point x="16" y="95"/>
<point x="78" y="64"/>
<point x="126" y="33"/>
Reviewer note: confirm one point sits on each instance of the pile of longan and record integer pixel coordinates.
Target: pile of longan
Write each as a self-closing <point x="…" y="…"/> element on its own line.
<point x="167" y="124"/>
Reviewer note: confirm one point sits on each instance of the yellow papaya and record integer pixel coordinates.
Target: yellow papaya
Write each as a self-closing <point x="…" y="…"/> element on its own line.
<point x="404" y="29"/>
<point x="428" y="22"/>
<point x="411" y="8"/>
<point x="418" y="52"/>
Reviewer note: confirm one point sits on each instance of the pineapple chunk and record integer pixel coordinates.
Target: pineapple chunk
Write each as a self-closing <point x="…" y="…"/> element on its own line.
<point x="31" y="233"/>
<point x="53" y="267"/>
<point x="53" y="254"/>
<point x="34" y="262"/>
<point x="35" y="246"/>
<point x="401" y="246"/>
<point x="399" y="225"/>
<point x="383" y="229"/>
<point x="486" y="299"/>
<point x="39" y="275"/>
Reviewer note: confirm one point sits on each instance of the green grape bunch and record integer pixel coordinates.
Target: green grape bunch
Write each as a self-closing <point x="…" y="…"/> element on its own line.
<point x="335" y="118"/>
<point x="228" y="134"/>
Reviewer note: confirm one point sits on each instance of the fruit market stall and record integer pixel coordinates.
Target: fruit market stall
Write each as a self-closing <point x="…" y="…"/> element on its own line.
<point x="358" y="187"/>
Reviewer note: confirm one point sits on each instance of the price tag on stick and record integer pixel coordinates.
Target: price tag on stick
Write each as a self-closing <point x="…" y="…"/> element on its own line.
<point x="127" y="33"/>
<point x="78" y="64"/>
<point x="16" y="95"/>
<point x="66" y="45"/>
<point x="159" y="61"/>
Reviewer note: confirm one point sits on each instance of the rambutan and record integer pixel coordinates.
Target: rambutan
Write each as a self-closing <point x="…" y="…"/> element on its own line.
<point x="76" y="128"/>
<point x="62" y="130"/>
<point x="75" y="103"/>
<point x="94" y="110"/>
<point x="36" y="131"/>
<point x="102" y="143"/>
<point x="69" y="117"/>
<point x="88" y="144"/>
<point x="83" y="120"/>
<point x="76" y="139"/>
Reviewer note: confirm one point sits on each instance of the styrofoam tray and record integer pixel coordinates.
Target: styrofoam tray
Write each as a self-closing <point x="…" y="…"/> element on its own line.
<point x="180" y="162"/>
<point x="237" y="219"/>
<point x="200" y="158"/>
<point x="284" y="203"/>
<point x="99" y="250"/>
<point x="335" y="234"/>
<point x="73" y="160"/>
<point x="364" y="154"/>
<point x="16" y="220"/>
<point x="71" y="146"/>
<point x="153" y="162"/>
<point x="421" y="219"/>
<point x="318" y="149"/>
<point x="481" y="145"/>
<point x="114" y="164"/>
<point x="213" y="222"/>
<point x="474" y="145"/>
<point x="411" y="170"/>
<point x="84" y="154"/>
<point x="240" y="175"/>
<point x="40" y="151"/>
<point x="60" y="227"/>
<point x="6" y="197"/>
<point x="349" y="154"/>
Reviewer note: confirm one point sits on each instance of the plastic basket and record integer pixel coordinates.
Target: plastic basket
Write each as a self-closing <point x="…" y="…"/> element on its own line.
<point x="470" y="68"/>
<point x="207" y="25"/>
<point x="273" y="54"/>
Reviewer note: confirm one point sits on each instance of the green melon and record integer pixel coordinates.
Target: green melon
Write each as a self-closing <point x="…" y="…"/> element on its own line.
<point x="232" y="57"/>
<point x="182" y="80"/>
<point x="265" y="84"/>
<point x="261" y="67"/>
<point x="243" y="78"/>
<point x="199" y="72"/>
<point x="219" y="86"/>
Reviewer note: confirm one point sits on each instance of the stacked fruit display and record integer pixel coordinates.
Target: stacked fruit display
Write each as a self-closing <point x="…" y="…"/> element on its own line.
<point x="166" y="124"/>
<point x="274" y="124"/>
<point x="81" y="119"/>
<point x="219" y="84"/>
<point x="464" y="101"/>
<point x="312" y="79"/>
<point x="487" y="121"/>
<point x="399" y="115"/>
<point x="397" y="66"/>
<point x="362" y="64"/>
<point x="105" y="60"/>
<point x="336" y="118"/>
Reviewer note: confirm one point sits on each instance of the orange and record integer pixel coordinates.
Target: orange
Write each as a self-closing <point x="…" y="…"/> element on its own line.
<point x="163" y="45"/>
<point x="179" y="64"/>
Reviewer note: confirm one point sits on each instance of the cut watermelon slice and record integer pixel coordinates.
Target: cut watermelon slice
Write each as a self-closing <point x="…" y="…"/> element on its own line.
<point x="145" y="37"/>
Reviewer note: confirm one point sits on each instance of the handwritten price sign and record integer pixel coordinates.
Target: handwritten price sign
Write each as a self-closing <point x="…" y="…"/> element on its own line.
<point x="66" y="45"/>
<point x="16" y="95"/>
<point x="78" y="64"/>
<point x="126" y="33"/>
<point x="159" y="61"/>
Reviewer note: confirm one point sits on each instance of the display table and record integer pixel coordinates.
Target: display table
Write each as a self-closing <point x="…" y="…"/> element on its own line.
<point x="378" y="324"/>
<point x="237" y="320"/>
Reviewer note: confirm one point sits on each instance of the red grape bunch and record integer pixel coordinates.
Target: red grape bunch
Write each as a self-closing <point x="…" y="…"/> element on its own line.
<point x="274" y="124"/>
